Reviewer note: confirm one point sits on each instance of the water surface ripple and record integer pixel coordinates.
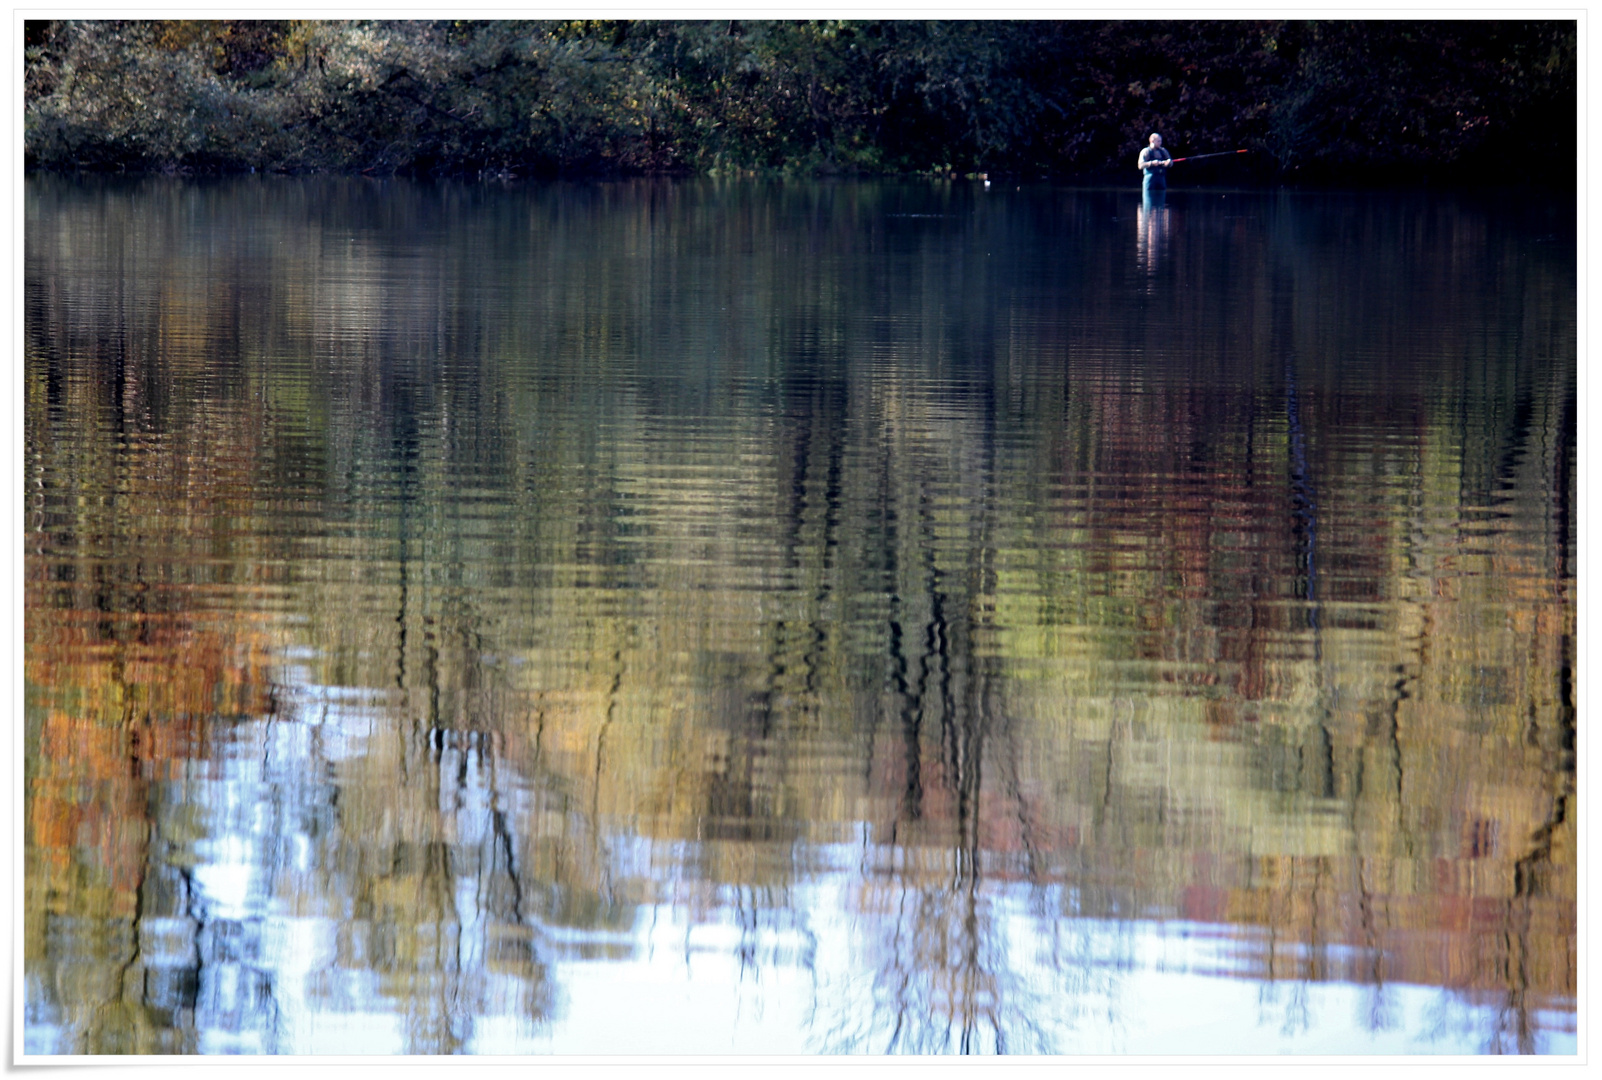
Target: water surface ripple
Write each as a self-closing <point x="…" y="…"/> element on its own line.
<point x="789" y="618"/>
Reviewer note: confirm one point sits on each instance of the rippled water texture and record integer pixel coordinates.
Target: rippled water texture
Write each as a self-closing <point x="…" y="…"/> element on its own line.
<point x="799" y="618"/>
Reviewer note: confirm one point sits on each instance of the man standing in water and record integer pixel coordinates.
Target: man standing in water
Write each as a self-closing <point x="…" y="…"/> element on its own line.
<point x="1154" y="166"/>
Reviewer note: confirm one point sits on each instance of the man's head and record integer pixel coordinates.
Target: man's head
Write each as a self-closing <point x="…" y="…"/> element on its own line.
<point x="1156" y="140"/>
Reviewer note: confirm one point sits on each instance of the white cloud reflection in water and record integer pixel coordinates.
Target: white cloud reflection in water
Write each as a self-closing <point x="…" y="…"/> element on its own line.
<point x="834" y="970"/>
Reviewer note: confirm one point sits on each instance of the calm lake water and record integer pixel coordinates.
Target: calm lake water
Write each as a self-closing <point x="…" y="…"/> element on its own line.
<point x="845" y="617"/>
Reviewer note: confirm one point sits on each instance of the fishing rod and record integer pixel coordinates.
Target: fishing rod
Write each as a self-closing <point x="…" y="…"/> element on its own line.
<point x="1198" y="157"/>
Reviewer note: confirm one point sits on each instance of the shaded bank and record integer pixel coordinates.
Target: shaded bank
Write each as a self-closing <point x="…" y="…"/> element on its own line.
<point x="1318" y="100"/>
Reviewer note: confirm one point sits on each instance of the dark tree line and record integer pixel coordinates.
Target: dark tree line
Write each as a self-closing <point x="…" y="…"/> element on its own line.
<point x="1317" y="100"/>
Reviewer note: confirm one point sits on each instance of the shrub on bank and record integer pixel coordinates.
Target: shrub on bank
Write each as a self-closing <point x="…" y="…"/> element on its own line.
<point x="1317" y="99"/>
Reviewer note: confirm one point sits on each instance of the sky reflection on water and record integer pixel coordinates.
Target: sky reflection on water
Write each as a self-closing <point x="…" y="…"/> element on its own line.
<point x="801" y="970"/>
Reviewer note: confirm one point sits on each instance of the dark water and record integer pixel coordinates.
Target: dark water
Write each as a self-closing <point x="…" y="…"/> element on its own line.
<point x="801" y="618"/>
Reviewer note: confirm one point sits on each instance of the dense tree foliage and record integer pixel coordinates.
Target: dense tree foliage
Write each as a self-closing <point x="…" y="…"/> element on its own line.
<point x="1318" y="99"/>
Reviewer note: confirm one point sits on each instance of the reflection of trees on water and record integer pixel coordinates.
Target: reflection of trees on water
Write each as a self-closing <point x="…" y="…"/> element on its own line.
<point x="1379" y="785"/>
<point x="1128" y="647"/>
<point x="486" y="959"/>
<point x="434" y="925"/>
<point x="942" y="974"/>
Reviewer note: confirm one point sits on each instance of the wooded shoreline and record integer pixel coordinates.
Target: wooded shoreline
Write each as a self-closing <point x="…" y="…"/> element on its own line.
<point x="1441" y="101"/>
